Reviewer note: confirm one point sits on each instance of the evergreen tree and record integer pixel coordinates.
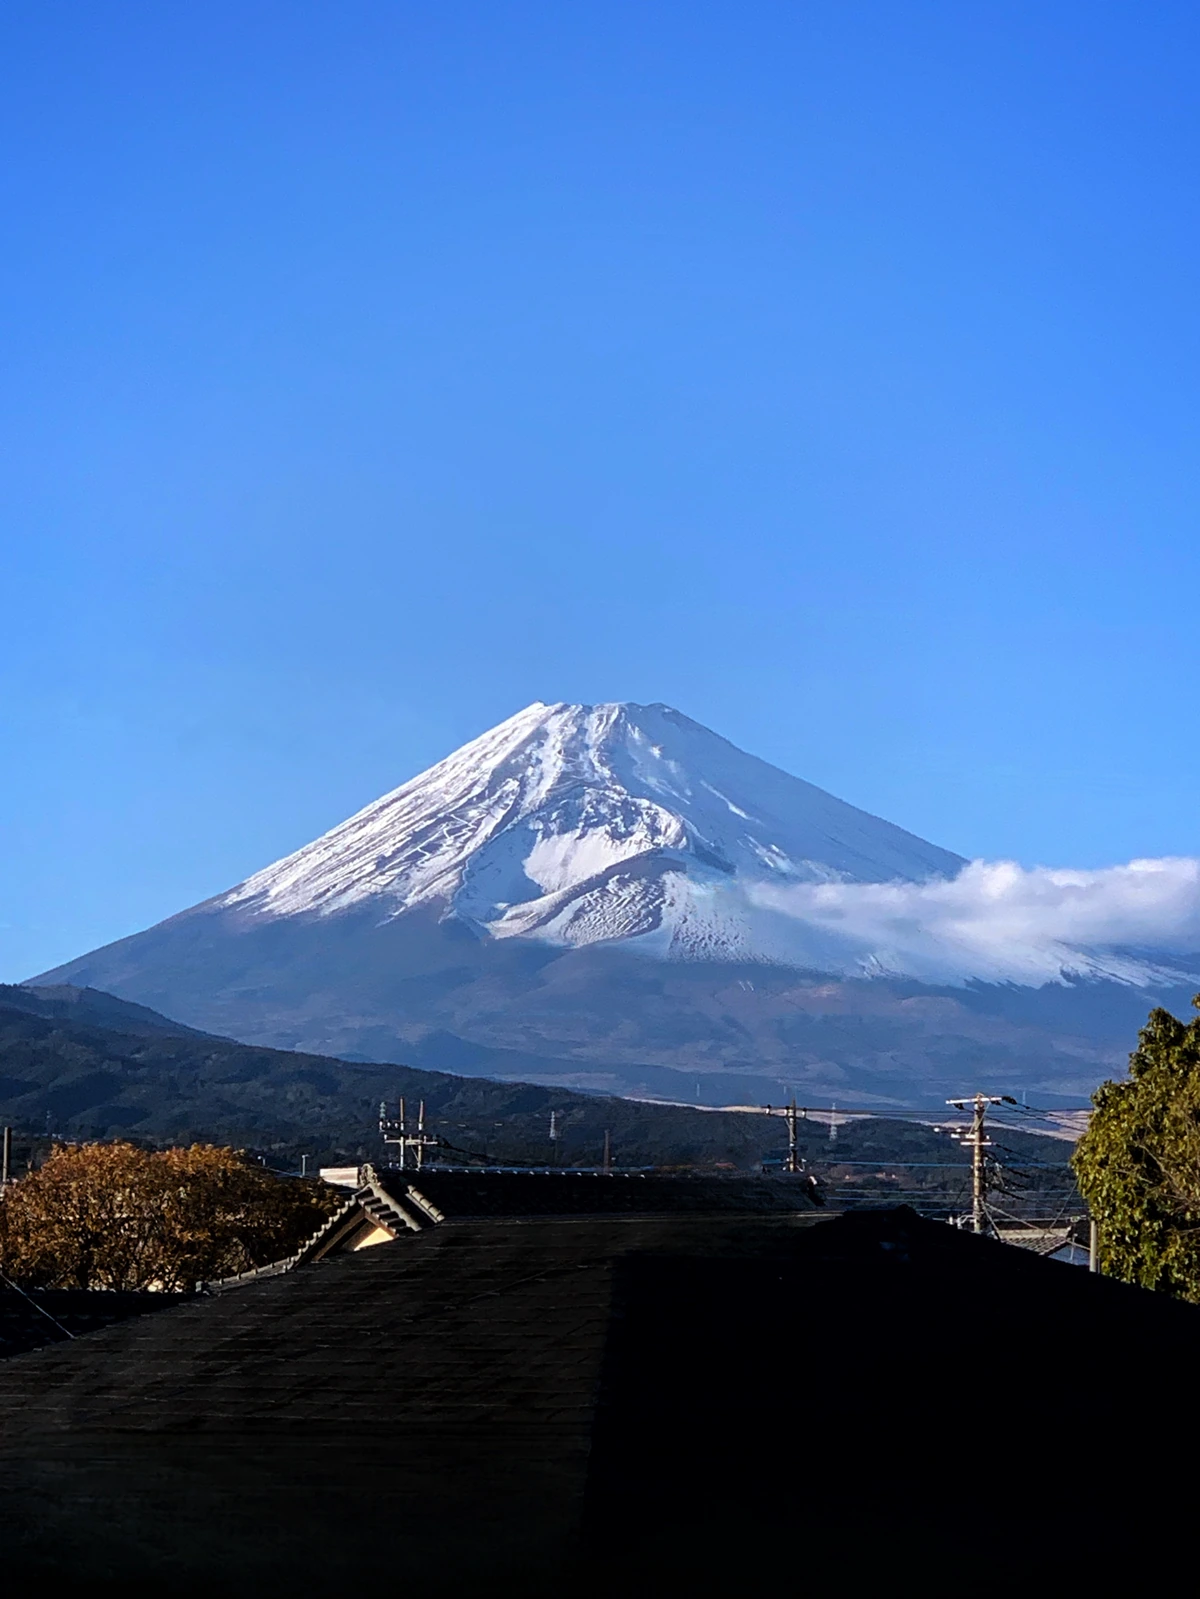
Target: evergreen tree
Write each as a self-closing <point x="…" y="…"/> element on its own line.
<point x="1138" y="1164"/>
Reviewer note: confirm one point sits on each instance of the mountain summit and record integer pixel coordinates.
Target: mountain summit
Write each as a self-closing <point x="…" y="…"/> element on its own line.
<point x="613" y="897"/>
<point x="577" y="824"/>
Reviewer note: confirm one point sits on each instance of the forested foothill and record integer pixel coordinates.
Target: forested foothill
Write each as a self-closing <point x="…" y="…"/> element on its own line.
<point x="76" y="1066"/>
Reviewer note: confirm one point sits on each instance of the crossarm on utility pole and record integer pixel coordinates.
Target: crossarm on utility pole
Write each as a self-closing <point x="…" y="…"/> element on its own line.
<point x="979" y="1141"/>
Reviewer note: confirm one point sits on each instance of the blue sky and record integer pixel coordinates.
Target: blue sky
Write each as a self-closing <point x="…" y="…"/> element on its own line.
<point x="371" y="370"/>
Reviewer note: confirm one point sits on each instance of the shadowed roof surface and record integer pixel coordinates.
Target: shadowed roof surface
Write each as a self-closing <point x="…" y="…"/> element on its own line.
<point x="551" y="1193"/>
<point x="505" y="1405"/>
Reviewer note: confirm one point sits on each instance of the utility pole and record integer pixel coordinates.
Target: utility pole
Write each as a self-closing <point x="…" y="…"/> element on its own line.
<point x="791" y="1114"/>
<point x="554" y="1138"/>
<point x="607" y="1150"/>
<point x="6" y="1160"/>
<point x="978" y="1141"/>
<point x="793" y="1156"/>
<point x="398" y="1131"/>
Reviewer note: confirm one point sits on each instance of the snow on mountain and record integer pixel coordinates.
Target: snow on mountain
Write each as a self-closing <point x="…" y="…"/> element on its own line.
<point x="577" y="824"/>
<point x="493" y="916"/>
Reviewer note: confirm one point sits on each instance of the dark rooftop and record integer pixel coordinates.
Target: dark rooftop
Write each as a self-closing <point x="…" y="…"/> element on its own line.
<point x="571" y="1193"/>
<point x="30" y="1318"/>
<point x="621" y="1404"/>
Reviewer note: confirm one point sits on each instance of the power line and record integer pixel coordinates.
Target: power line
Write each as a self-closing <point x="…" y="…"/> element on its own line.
<point x="41" y="1309"/>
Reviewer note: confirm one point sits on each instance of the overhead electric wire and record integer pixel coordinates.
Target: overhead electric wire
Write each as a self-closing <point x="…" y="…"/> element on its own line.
<point x="16" y="1287"/>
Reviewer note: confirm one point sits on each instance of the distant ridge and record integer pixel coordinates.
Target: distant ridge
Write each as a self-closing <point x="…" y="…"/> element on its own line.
<point x="65" y="1002"/>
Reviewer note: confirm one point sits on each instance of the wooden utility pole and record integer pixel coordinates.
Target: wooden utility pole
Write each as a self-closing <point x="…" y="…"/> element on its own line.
<point x="793" y="1154"/>
<point x="6" y="1166"/>
<point x="978" y="1141"/>
<point x="792" y="1115"/>
<point x="607" y="1150"/>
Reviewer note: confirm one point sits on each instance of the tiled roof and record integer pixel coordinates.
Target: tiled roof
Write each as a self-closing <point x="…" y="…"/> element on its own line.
<point x="567" y="1193"/>
<point x="33" y="1317"/>
<point x="372" y="1396"/>
<point x="401" y="1202"/>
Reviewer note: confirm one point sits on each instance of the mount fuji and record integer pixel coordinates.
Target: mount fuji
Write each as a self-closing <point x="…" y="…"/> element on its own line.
<point x="614" y="897"/>
<point x="580" y="824"/>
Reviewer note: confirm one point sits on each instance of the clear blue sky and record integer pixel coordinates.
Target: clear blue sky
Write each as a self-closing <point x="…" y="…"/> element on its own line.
<point x="368" y="370"/>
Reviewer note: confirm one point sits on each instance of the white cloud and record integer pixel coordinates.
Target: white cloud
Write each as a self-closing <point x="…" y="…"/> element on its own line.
<point x="1000" y="922"/>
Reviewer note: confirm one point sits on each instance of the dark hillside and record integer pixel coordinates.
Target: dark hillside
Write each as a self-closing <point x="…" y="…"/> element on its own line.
<point x="65" y="1076"/>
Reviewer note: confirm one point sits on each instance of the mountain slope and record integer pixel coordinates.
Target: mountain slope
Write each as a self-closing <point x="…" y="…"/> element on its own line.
<point x="592" y="895"/>
<point x="579" y="824"/>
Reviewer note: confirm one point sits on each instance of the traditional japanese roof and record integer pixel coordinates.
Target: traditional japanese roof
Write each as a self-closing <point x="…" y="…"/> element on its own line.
<point x="390" y="1203"/>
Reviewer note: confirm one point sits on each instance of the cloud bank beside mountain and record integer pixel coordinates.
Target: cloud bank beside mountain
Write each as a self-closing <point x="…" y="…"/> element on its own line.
<point x="1000" y="922"/>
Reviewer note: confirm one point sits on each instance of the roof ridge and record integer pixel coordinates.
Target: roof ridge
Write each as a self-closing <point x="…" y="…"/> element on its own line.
<point x="370" y="1197"/>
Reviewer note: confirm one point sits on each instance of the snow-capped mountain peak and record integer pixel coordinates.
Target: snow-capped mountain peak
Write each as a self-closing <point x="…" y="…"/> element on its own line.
<point x="581" y="823"/>
<point x="612" y="896"/>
